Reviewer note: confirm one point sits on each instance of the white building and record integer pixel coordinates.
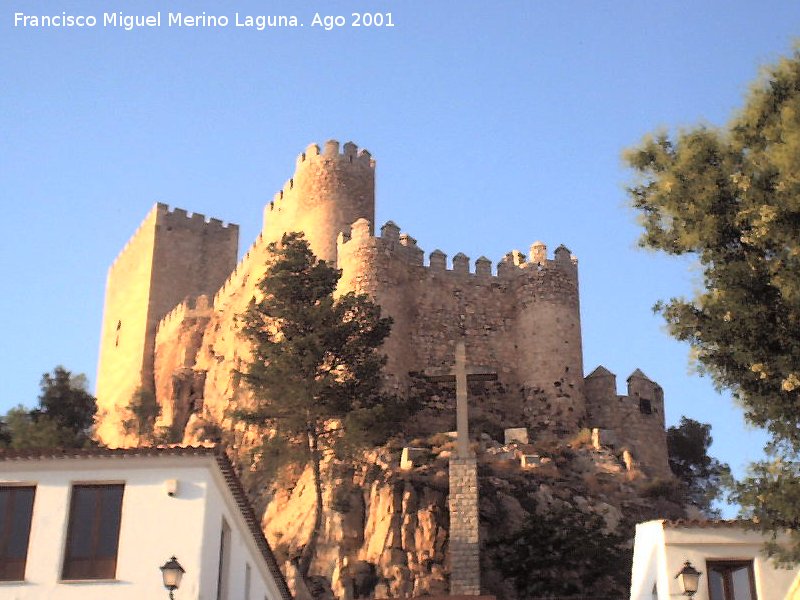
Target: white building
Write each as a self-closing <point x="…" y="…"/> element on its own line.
<point x="98" y="524"/>
<point x="729" y="557"/>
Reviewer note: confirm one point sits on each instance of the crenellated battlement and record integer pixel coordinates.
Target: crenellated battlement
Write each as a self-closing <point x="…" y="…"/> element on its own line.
<point x="331" y="187"/>
<point x="633" y="420"/>
<point x="162" y="215"/>
<point x="189" y="308"/>
<point x="253" y="258"/>
<point x="180" y="217"/>
<point x="401" y="246"/>
<point x="349" y="153"/>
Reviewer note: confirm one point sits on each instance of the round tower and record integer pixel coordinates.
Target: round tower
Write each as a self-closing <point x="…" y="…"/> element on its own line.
<point x="378" y="267"/>
<point x="550" y="357"/>
<point x="329" y="191"/>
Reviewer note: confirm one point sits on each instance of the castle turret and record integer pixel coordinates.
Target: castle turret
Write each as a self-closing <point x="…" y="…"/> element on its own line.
<point x="550" y="358"/>
<point x="602" y="403"/>
<point x="367" y="264"/>
<point x="172" y="255"/>
<point x="328" y="192"/>
<point x="646" y="432"/>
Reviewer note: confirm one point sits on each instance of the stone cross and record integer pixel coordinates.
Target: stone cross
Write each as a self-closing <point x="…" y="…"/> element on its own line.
<point x="461" y="374"/>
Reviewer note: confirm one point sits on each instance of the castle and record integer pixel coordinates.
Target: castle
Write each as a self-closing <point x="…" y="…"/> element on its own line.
<point x="175" y="290"/>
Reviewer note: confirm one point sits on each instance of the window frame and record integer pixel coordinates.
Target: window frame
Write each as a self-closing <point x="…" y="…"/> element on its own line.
<point x="100" y="572"/>
<point x="728" y="566"/>
<point x="5" y="529"/>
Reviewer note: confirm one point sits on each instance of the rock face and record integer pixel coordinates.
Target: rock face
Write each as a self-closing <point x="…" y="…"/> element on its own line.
<point x="385" y="531"/>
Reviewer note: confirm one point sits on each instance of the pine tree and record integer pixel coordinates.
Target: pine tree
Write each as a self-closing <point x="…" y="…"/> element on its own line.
<point x="730" y="197"/>
<point x="315" y="371"/>
<point x="701" y="475"/>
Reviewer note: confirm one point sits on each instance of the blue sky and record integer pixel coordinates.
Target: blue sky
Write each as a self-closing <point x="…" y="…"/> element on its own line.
<point x="494" y="124"/>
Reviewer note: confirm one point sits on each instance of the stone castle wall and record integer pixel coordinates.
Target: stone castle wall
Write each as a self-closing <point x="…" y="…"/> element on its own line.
<point x="633" y="422"/>
<point x="329" y="191"/>
<point x="123" y="336"/>
<point x="171" y="256"/>
<point x="521" y="321"/>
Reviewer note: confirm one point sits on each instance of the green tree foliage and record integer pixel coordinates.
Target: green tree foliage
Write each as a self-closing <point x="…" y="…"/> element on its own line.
<point x="63" y="418"/>
<point x="315" y="371"/>
<point x="144" y="410"/>
<point x="564" y="552"/>
<point x="730" y="198"/>
<point x="701" y="475"/>
<point x="770" y="496"/>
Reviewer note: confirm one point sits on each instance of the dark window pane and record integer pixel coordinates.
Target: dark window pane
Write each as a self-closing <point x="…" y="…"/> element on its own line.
<point x="81" y="522"/>
<point x="21" y="511"/>
<point x="16" y="509"/>
<point x="108" y="533"/>
<point x="93" y="533"/>
<point x="716" y="585"/>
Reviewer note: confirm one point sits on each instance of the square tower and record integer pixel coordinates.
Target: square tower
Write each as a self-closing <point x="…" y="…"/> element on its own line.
<point x="172" y="256"/>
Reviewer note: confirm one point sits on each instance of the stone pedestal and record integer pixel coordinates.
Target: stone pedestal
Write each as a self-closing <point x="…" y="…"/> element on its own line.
<point x="465" y="578"/>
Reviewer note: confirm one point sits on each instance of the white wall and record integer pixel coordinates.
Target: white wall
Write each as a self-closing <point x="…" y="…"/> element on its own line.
<point x="661" y="550"/>
<point x="154" y="526"/>
<point x="648" y="556"/>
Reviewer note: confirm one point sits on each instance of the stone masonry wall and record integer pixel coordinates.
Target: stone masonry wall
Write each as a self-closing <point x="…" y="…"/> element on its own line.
<point x="328" y="192"/>
<point x="173" y="255"/>
<point x="635" y="421"/>
<point x="464" y="538"/>
<point x="124" y="329"/>
<point x="523" y="323"/>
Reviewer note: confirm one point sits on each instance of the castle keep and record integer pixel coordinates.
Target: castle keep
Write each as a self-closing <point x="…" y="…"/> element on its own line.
<point x="174" y="292"/>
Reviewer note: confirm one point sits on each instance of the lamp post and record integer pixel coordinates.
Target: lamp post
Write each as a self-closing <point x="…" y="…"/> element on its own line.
<point x="171" y="573"/>
<point x="689" y="579"/>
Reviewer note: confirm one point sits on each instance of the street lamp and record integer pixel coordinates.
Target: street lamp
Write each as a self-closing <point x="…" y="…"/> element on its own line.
<point x="172" y="572"/>
<point x="689" y="579"/>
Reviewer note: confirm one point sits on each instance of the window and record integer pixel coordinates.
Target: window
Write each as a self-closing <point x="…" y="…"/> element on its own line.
<point x="645" y="406"/>
<point x="731" y="580"/>
<point x="224" y="561"/>
<point x="93" y="532"/>
<point x="16" y="508"/>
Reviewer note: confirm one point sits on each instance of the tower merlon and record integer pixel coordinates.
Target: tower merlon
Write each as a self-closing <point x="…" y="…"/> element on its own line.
<point x="390" y="232"/>
<point x="437" y="261"/>
<point x="331" y="148"/>
<point x="461" y="264"/>
<point x="483" y="267"/>
<point x="360" y="230"/>
<point x="407" y="241"/>
<point x="413" y="253"/>
<point x="638" y="374"/>
<point x="538" y="252"/>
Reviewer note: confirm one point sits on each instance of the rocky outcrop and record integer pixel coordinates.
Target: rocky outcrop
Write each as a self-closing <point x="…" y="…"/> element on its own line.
<point x="385" y="530"/>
